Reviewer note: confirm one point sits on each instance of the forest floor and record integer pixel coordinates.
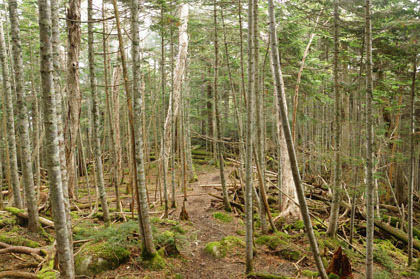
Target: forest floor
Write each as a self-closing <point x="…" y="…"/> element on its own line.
<point x="185" y="244"/>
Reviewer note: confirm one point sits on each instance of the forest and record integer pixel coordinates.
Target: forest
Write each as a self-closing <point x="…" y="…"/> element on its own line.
<point x="187" y="139"/>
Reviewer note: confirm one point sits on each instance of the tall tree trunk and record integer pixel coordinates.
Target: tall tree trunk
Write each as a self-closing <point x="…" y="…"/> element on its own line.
<point x="11" y="136"/>
<point x="26" y="150"/>
<point x="412" y="163"/>
<point x="95" y="114"/>
<point x="52" y="152"/>
<point x="248" y="140"/>
<point x="178" y="74"/>
<point x="148" y="246"/>
<point x="111" y="117"/>
<point x="163" y="85"/>
<point x="281" y="100"/>
<point x="259" y="119"/>
<point x="219" y="145"/>
<point x="369" y="147"/>
<point x="336" y="187"/>
<point x="55" y="41"/>
<point x="73" y="90"/>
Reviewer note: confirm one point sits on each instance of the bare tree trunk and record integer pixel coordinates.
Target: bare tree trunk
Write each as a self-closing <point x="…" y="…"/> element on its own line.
<point x="73" y="90"/>
<point x="148" y="246"/>
<point x="219" y="145"/>
<point x="163" y="85"/>
<point x="248" y="140"/>
<point x="11" y="136"/>
<point x="114" y="145"/>
<point x="52" y="152"/>
<point x="369" y="146"/>
<point x="281" y="100"/>
<point x="95" y="114"/>
<point x="412" y="163"/>
<point x="26" y="150"/>
<point x="178" y="74"/>
<point x="55" y="41"/>
<point x="336" y="187"/>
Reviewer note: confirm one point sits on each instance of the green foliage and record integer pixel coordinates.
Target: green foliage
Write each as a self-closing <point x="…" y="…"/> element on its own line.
<point x="382" y="274"/>
<point x="223" y="217"/>
<point x="380" y="255"/>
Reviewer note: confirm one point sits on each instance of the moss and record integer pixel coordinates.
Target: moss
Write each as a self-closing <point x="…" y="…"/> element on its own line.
<point x="14" y="210"/>
<point x="309" y="273"/>
<point x="273" y="241"/>
<point x="215" y="249"/>
<point x="298" y="225"/>
<point x="157" y="262"/>
<point x="13" y="239"/>
<point x="222" y="217"/>
<point x="333" y="276"/>
<point x="240" y="232"/>
<point x="101" y="256"/>
<point x="48" y="272"/>
<point x="219" y="249"/>
<point x="290" y="253"/>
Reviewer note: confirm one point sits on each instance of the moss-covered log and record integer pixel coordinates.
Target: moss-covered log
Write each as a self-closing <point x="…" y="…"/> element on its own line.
<point x="396" y="233"/>
<point x="262" y="275"/>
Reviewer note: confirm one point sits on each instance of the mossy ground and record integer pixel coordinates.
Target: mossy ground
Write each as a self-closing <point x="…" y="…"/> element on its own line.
<point x="219" y="249"/>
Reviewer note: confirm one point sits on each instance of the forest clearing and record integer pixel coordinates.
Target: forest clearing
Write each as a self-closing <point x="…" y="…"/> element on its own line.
<point x="181" y="139"/>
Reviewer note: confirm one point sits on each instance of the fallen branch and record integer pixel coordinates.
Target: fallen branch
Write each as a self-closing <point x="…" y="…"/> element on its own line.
<point x="22" y="215"/>
<point x="17" y="274"/>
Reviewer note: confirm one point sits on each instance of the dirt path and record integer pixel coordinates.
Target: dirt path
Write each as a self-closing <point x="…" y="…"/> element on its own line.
<point x="199" y="264"/>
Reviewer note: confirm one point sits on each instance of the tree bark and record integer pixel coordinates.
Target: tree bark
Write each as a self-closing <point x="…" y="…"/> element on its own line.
<point x="26" y="150"/>
<point x="51" y="144"/>
<point x="219" y="145"/>
<point x="369" y="144"/>
<point x="281" y="100"/>
<point x="249" y="140"/>
<point x="73" y="90"/>
<point x="412" y="163"/>
<point x="178" y="74"/>
<point x="336" y="187"/>
<point x="95" y="114"/>
<point x="145" y="227"/>
<point x="11" y="136"/>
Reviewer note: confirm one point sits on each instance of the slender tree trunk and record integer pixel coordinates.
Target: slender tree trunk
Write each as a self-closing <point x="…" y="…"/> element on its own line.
<point x="55" y="41"/>
<point x="11" y="137"/>
<point x="178" y="74"/>
<point x="111" y="116"/>
<point x="52" y="152"/>
<point x="219" y="145"/>
<point x="259" y="120"/>
<point x="73" y="89"/>
<point x="412" y="163"/>
<point x="149" y="248"/>
<point x="163" y="85"/>
<point x="95" y="114"/>
<point x="369" y="146"/>
<point x="281" y="100"/>
<point x="335" y="204"/>
<point x="26" y="150"/>
<point x="248" y="140"/>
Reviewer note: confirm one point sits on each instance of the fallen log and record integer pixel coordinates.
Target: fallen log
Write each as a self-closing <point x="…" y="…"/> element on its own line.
<point x="17" y="274"/>
<point x="22" y="215"/>
<point x="396" y="233"/>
